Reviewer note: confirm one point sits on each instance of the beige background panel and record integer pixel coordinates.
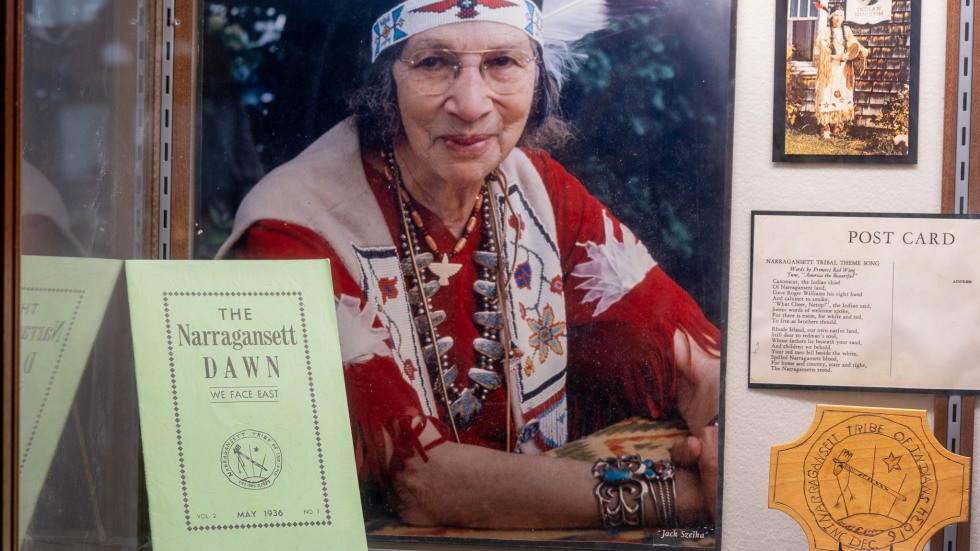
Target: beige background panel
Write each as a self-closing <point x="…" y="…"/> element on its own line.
<point x="759" y="418"/>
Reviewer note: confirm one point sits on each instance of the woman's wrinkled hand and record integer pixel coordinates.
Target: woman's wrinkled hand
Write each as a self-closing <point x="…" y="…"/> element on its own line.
<point x="701" y="451"/>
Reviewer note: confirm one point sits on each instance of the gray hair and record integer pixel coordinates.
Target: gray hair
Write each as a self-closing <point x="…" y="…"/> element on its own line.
<point x="374" y="108"/>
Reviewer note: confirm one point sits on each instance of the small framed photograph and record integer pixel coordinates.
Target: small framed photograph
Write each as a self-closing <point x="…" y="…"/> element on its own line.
<point x="846" y="81"/>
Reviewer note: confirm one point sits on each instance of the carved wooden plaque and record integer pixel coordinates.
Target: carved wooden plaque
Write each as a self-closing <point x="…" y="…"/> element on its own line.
<point x="869" y="478"/>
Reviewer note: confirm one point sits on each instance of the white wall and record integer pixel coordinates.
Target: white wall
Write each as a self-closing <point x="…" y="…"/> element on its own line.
<point x="757" y="419"/>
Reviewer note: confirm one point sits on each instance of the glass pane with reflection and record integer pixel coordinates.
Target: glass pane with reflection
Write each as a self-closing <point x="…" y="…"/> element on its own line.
<point x="84" y="90"/>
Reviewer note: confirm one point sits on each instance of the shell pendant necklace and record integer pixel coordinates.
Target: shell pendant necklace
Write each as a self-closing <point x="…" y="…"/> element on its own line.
<point x="443" y="269"/>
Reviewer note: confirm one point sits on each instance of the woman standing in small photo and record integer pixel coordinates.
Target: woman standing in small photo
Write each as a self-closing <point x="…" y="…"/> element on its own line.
<point x="840" y="56"/>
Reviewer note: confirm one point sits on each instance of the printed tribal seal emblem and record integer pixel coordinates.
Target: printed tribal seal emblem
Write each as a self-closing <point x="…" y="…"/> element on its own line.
<point x="869" y="479"/>
<point x="251" y="459"/>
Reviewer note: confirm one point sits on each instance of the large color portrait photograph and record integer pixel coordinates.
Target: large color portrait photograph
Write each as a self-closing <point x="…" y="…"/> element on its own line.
<point x="524" y="205"/>
<point x="846" y="81"/>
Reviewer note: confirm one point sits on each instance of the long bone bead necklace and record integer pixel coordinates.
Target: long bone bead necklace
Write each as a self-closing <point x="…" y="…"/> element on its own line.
<point x="462" y="402"/>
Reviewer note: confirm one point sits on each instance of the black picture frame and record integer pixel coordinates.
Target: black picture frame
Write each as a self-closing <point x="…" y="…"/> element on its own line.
<point x="659" y="158"/>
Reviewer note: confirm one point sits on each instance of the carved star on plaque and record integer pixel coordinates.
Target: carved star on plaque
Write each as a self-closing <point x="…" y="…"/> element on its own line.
<point x="833" y="483"/>
<point x="893" y="461"/>
<point x="444" y="269"/>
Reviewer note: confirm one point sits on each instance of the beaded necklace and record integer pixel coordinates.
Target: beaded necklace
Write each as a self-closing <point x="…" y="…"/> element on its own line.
<point x="837" y="36"/>
<point x="443" y="269"/>
<point x="417" y="220"/>
<point x="462" y="400"/>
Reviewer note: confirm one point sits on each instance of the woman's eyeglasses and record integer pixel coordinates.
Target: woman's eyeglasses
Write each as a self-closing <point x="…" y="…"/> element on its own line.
<point x="505" y="71"/>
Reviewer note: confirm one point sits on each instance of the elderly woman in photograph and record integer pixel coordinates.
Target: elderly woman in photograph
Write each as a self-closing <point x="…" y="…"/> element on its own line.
<point x="840" y="56"/>
<point x="490" y="309"/>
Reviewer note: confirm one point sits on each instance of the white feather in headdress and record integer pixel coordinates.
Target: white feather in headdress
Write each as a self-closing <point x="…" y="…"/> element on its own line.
<point x="570" y="20"/>
<point x="564" y="22"/>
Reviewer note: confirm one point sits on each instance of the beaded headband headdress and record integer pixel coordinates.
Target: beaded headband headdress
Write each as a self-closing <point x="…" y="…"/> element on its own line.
<point x="414" y="16"/>
<point x="834" y="8"/>
<point x="555" y="26"/>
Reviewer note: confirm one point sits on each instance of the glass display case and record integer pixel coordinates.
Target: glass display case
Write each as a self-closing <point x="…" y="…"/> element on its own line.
<point x="134" y="130"/>
<point x="88" y="75"/>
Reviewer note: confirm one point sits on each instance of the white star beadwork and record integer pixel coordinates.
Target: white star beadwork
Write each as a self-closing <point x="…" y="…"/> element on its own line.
<point x="614" y="268"/>
<point x="360" y="340"/>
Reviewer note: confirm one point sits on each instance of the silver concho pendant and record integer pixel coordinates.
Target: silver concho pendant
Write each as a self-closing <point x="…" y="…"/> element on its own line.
<point x="489" y="348"/>
<point x="449" y="377"/>
<point x="489" y="380"/>
<point x="492" y="320"/>
<point x="429" y="350"/>
<point x="465" y="408"/>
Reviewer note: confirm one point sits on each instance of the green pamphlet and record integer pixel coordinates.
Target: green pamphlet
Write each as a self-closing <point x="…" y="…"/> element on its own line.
<point x="62" y="302"/>
<point x="243" y="413"/>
